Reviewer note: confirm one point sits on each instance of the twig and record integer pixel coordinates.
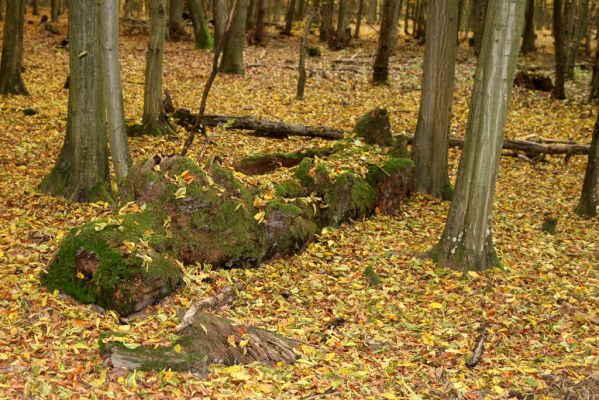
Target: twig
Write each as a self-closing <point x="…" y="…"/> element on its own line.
<point x="479" y="347"/>
<point x="197" y="125"/>
<point x="224" y="296"/>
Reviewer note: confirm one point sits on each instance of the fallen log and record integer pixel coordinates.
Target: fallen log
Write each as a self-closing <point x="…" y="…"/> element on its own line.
<point x="224" y="296"/>
<point x="266" y="128"/>
<point x="208" y="340"/>
<point x="533" y="148"/>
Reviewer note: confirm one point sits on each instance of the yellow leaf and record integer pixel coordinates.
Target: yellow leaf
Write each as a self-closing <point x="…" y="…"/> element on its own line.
<point x="329" y="356"/>
<point x="177" y="348"/>
<point x="180" y="193"/>
<point x="260" y="217"/>
<point x="231" y="341"/>
<point x="80" y="275"/>
<point x="435" y="305"/>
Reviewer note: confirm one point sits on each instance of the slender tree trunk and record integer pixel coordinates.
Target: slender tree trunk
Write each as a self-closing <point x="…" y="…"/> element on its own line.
<point x="11" y="65"/>
<point x="1" y="10"/>
<point x="372" y="11"/>
<point x="342" y="38"/>
<point x="421" y="25"/>
<point x="380" y="73"/>
<point x="175" y="20"/>
<point x="232" y="61"/>
<point x="289" y="18"/>
<point x="250" y="17"/>
<point x="595" y="78"/>
<point x="467" y="241"/>
<point x="359" y="19"/>
<point x="220" y="11"/>
<point x="113" y="92"/>
<point x="560" y="51"/>
<point x="528" y="42"/>
<point x="406" y="20"/>
<point x="81" y="171"/>
<point x="154" y="120"/>
<point x="577" y="19"/>
<point x="301" y="82"/>
<point x="587" y="206"/>
<point x="431" y="141"/>
<point x="479" y="14"/>
<point x="55" y="9"/>
<point x="326" y="21"/>
<point x="260" y="18"/>
<point x="203" y="38"/>
<point x="35" y="9"/>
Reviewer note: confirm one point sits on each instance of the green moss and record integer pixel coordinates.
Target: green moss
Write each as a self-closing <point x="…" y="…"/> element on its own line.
<point x="314" y="176"/>
<point x="290" y="188"/>
<point x="349" y="197"/>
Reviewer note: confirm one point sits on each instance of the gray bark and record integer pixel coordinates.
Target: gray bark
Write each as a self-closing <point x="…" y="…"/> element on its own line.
<point x="326" y="20"/>
<point x="432" y="131"/>
<point x="11" y="78"/>
<point x="467" y="241"/>
<point x="154" y="121"/>
<point x="232" y="61"/>
<point x="578" y="20"/>
<point x="528" y="41"/>
<point x="387" y="40"/>
<point x="359" y="19"/>
<point x="203" y="38"/>
<point x="341" y="35"/>
<point x="81" y="171"/>
<point x="587" y="205"/>
<point x="220" y="11"/>
<point x="479" y="11"/>
<point x="113" y="92"/>
<point x="175" y="20"/>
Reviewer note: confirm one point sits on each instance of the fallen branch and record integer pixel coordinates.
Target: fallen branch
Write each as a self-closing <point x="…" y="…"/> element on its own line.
<point x="479" y="348"/>
<point x="226" y="295"/>
<point x="266" y="128"/>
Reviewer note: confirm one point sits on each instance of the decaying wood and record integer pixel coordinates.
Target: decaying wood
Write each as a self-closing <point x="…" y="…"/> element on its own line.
<point x="210" y="339"/>
<point x="261" y="127"/>
<point x="226" y="295"/>
<point x="479" y="348"/>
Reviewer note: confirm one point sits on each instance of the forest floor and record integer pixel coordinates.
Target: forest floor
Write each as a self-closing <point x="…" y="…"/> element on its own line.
<point x="409" y="338"/>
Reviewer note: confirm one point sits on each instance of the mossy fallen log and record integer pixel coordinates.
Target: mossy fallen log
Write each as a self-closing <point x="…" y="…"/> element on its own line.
<point x="180" y="211"/>
<point x="208" y="340"/>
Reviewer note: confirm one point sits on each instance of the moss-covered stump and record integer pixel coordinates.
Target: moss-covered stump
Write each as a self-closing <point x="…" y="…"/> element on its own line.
<point x="209" y="340"/>
<point x="374" y="127"/>
<point x="263" y="163"/>
<point x="181" y="211"/>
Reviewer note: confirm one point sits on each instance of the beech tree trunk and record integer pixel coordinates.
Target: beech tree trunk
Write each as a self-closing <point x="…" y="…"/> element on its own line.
<point x="260" y="19"/>
<point x="35" y="9"/>
<point x="342" y="37"/>
<point x="372" y="12"/>
<point x="175" y="20"/>
<point x="11" y="65"/>
<point x="203" y="38"/>
<point x="232" y="61"/>
<point x="387" y="41"/>
<point x="113" y="92"/>
<point x="55" y="9"/>
<point x="359" y="18"/>
<point x="289" y="17"/>
<point x="430" y="144"/>
<point x="467" y="241"/>
<point x="326" y="21"/>
<point x="587" y="205"/>
<point x="479" y="11"/>
<point x="220" y="10"/>
<point x="154" y="120"/>
<point x="81" y="171"/>
<point x="528" y="41"/>
<point x="301" y="81"/>
<point x="560" y="50"/>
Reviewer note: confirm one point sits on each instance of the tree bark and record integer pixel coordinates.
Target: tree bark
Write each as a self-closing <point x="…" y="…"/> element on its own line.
<point x="1" y="10"/>
<point x="154" y="120"/>
<point x="35" y="9"/>
<point x="372" y="12"/>
<point x="175" y="20"/>
<point x="81" y="171"/>
<point x="430" y="145"/>
<point x="467" y="242"/>
<point x="560" y="50"/>
<point x="11" y="65"/>
<point x="260" y="19"/>
<point x="528" y="42"/>
<point x="341" y="38"/>
<point x="203" y="38"/>
<point x="577" y="19"/>
<point x="301" y="81"/>
<point x="326" y="21"/>
<point x="220" y="11"/>
<point x="232" y="61"/>
<point x="386" y="44"/>
<point x="55" y="10"/>
<point x="359" y="19"/>
<point x="289" y="18"/>
<point x="113" y="92"/>
<point x="587" y="205"/>
<point x="479" y="8"/>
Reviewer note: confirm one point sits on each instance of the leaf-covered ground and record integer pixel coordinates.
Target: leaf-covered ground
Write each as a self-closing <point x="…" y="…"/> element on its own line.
<point x="408" y="339"/>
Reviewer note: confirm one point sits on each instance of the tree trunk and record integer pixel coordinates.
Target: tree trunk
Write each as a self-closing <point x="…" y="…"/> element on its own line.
<point x="479" y="8"/>
<point x="81" y="171"/>
<point x="203" y="38"/>
<point x="55" y="10"/>
<point x="113" y="92"/>
<point x="434" y="118"/>
<point x="250" y="17"/>
<point x="326" y="21"/>
<point x="467" y="242"/>
<point x="587" y="205"/>
<point x="232" y="61"/>
<point x="372" y="12"/>
<point x="380" y="74"/>
<point x="301" y="81"/>
<point x="359" y="19"/>
<point x="154" y="120"/>
<point x="342" y="36"/>
<point x="289" y="18"/>
<point x="220" y="11"/>
<point x="11" y="65"/>
<point x="421" y="25"/>
<point x="577" y="19"/>
<point x="176" y="31"/>
<point x="35" y="9"/>
<point x="595" y="78"/>
<point x="528" y="42"/>
<point x="1" y="10"/>
<point x="560" y="50"/>
<point x="260" y="18"/>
